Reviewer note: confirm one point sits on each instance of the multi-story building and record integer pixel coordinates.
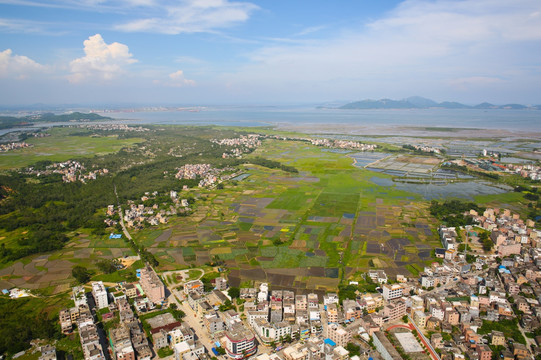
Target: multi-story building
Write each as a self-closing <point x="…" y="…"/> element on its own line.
<point x="420" y="319"/>
<point x="271" y="332"/>
<point x="79" y="296"/>
<point x="152" y="285"/>
<point x="452" y="317"/>
<point x="330" y="298"/>
<point x="251" y="316"/>
<point x="338" y="334"/>
<point x="497" y="338"/>
<point x="313" y="301"/>
<point x="393" y="291"/>
<point x="121" y="345"/>
<point x="297" y="352"/>
<point x="180" y="334"/>
<point x="239" y="342"/>
<point x="301" y="303"/>
<point x="194" y="286"/>
<point x="213" y="323"/>
<point x="90" y="341"/>
<point x="332" y="313"/>
<point x="100" y="295"/>
<point x="394" y="310"/>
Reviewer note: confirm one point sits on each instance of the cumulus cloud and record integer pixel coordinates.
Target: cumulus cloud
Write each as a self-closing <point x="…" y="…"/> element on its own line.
<point x="101" y="61"/>
<point x="177" y="79"/>
<point x="190" y="16"/>
<point x="18" y="66"/>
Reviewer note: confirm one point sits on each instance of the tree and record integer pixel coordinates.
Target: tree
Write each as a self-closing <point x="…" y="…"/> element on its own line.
<point x="106" y="266"/>
<point x="288" y="338"/>
<point x="81" y="274"/>
<point x="233" y="292"/>
<point x="353" y="349"/>
<point x="405" y="319"/>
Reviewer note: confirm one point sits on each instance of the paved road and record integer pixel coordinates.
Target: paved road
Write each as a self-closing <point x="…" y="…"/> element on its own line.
<point x="126" y="233"/>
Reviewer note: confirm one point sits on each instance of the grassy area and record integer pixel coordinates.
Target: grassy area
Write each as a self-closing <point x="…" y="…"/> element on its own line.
<point x="330" y="210"/>
<point x="60" y="146"/>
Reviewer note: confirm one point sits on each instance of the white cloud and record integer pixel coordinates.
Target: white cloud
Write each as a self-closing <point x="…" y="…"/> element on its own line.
<point x="190" y="16"/>
<point x="177" y="79"/>
<point x="440" y="48"/>
<point x="101" y="61"/>
<point x="18" y="66"/>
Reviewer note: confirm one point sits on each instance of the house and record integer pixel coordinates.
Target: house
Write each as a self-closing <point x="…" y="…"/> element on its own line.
<point x="497" y="338"/>
<point x="194" y="286"/>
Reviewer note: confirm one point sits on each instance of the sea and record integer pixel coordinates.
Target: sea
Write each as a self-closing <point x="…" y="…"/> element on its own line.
<point x="512" y="120"/>
<point x="310" y="118"/>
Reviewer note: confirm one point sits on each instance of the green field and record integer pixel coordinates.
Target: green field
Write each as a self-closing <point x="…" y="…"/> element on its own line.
<point x="61" y="146"/>
<point x="327" y="220"/>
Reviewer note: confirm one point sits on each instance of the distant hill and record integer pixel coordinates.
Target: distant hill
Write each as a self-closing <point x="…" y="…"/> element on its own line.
<point x="7" y="122"/>
<point x="379" y="104"/>
<point x="421" y="102"/>
<point x="485" y="105"/>
<point x="418" y="102"/>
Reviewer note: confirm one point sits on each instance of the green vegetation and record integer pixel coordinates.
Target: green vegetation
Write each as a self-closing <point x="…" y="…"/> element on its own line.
<point x="452" y="212"/>
<point x="165" y="352"/>
<point x="233" y="292"/>
<point x="508" y="327"/>
<point x="81" y="274"/>
<point x="7" y="122"/>
<point x="15" y="317"/>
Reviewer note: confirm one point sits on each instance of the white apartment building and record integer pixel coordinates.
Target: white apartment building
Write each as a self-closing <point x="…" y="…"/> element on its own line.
<point x="393" y="291"/>
<point x="100" y="295"/>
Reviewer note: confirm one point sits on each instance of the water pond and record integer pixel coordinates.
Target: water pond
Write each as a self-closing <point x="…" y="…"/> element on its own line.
<point x="440" y="190"/>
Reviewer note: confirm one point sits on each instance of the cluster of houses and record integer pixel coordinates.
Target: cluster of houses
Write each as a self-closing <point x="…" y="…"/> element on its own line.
<point x="207" y="173"/>
<point x="112" y="127"/>
<point x="427" y="149"/>
<point x="14" y="146"/>
<point x="240" y="145"/>
<point x="451" y="304"/>
<point x="343" y="144"/>
<point x="136" y="215"/>
<point x="532" y="172"/>
<point x="126" y="340"/>
<point x="510" y="234"/>
<point x="81" y="315"/>
<point x="70" y="170"/>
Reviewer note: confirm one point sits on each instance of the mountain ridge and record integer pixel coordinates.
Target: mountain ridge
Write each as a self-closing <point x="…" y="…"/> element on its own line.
<point x="418" y="102"/>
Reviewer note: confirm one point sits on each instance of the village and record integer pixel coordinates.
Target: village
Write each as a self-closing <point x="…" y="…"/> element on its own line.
<point x="14" y="146"/>
<point x="469" y="304"/>
<point x="70" y="170"/>
<point x="149" y="211"/>
<point x="343" y="144"/>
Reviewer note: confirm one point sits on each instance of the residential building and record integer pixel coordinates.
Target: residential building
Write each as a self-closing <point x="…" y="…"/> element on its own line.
<point x="394" y="310"/>
<point x="393" y="291"/>
<point x="239" y="342"/>
<point x="338" y="334"/>
<point x="152" y="285"/>
<point x="100" y="295"/>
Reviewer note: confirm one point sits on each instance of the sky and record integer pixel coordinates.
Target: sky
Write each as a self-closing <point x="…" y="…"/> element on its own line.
<point x="203" y="52"/>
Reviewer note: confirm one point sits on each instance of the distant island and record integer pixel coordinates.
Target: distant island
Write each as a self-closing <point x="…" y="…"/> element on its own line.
<point x="7" y="122"/>
<point x="417" y="102"/>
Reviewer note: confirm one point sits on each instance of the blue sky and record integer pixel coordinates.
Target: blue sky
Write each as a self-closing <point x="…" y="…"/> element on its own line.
<point x="268" y="51"/>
